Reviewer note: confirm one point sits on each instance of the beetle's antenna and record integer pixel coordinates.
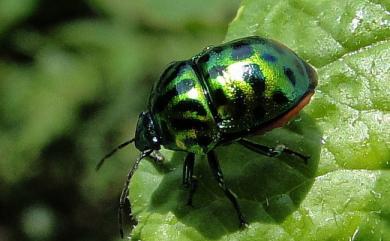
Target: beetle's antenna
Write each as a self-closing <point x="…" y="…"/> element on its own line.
<point x="125" y="190"/>
<point x="113" y="152"/>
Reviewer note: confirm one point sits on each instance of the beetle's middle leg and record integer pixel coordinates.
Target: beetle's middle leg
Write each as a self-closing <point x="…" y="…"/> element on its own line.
<point x="269" y="151"/>
<point x="189" y="180"/>
<point x="217" y="172"/>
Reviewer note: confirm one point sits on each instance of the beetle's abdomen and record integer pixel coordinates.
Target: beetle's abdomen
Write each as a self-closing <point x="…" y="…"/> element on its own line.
<point x="180" y="109"/>
<point x="252" y="81"/>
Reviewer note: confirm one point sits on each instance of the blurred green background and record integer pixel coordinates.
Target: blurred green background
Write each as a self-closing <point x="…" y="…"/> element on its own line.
<point x="74" y="75"/>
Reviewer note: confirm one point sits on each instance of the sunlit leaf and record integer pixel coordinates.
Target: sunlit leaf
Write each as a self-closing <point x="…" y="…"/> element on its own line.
<point x="343" y="193"/>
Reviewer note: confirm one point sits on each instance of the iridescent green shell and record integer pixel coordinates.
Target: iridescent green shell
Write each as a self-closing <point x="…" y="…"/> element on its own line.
<point x="181" y="110"/>
<point x="227" y="92"/>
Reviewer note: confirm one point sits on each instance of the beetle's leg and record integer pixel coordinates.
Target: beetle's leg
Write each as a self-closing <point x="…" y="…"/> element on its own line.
<point x="185" y="171"/>
<point x="157" y="157"/>
<point x="189" y="179"/>
<point x="217" y="172"/>
<point x="125" y="192"/>
<point x="269" y="151"/>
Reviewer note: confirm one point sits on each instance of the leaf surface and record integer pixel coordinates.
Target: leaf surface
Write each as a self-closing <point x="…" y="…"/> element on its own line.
<point x="343" y="193"/>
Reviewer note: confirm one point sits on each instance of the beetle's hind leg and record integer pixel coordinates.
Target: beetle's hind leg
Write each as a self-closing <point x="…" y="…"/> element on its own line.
<point x="189" y="180"/>
<point x="271" y="151"/>
<point x="218" y="175"/>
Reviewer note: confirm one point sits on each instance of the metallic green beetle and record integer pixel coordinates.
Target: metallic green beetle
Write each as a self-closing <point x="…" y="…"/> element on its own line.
<point x="225" y="93"/>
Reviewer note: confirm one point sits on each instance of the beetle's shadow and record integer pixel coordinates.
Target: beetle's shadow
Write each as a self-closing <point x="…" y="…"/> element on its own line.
<point x="268" y="189"/>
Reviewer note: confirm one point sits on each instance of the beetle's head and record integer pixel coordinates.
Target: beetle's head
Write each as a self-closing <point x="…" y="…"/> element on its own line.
<point x="146" y="137"/>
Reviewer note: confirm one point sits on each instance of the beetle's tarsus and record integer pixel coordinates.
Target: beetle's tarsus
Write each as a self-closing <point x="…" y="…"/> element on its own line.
<point x="193" y="186"/>
<point x="271" y="152"/>
<point x="218" y="175"/>
<point x="125" y="191"/>
<point x="243" y="223"/>
<point x="297" y="154"/>
<point x="189" y="180"/>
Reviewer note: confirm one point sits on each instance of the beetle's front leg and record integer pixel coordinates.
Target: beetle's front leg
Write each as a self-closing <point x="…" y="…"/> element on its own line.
<point x="157" y="157"/>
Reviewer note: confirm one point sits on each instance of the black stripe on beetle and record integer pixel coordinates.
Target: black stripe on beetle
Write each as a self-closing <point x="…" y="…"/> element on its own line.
<point x="163" y="100"/>
<point x="290" y="75"/>
<point x="216" y="71"/>
<point x="298" y="65"/>
<point x="269" y="57"/>
<point x="172" y="71"/>
<point x="219" y="97"/>
<point x="254" y="76"/>
<point x="279" y="97"/>
<point x="184" y="86"/>
<point x="190" y="105"/>
<point x="239" y="102"/>
<point x="241" y="51"/>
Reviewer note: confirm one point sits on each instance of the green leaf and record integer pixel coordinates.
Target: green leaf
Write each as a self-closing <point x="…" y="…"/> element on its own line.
<point x="343" y="193"/>
<point x="168" y="14"/>
<point x="14" y="11"/>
